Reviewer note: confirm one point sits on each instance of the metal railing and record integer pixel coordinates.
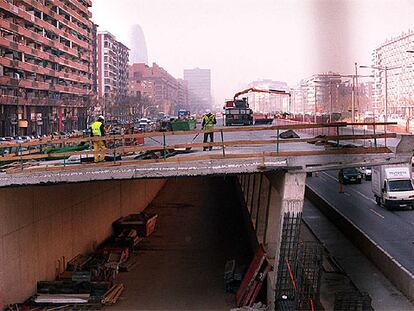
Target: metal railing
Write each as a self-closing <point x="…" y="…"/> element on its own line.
<point x="124" y="144"/>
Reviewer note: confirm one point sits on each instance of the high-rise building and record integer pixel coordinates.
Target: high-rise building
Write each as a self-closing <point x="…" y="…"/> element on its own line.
<point x="95" y="58"/>
<point x="46" y="55"/>
<point x="138" y="46"/>
<point x="328" y="92"/>
<point x="112" y="75"/>
<point x="182" y="95"/>
<point x="199" y="88"/>
<point x="319" y="94"/>
<point x="393" y="60"/>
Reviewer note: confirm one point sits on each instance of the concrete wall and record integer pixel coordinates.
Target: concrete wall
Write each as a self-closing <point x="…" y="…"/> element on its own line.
<point x="40" y="224"/>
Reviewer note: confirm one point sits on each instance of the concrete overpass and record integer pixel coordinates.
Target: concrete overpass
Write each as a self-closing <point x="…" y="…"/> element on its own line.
<point x="62" y="210"/>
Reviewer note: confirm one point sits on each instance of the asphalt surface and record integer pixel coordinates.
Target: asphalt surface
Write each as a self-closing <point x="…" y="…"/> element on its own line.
<point x="392" y="230"/>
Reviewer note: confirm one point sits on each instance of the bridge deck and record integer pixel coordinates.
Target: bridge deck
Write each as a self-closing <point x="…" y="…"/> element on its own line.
<point x="236" y="151"/>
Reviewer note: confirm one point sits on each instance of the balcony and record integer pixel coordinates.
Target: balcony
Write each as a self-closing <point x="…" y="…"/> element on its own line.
<point x="41" y="101"/>
<point x="32" y="67"/>
<point x="74" y="14"/>
<point x="38" y="85"/>
<point x="56" y="16"/>
<point x="37" y="37"/>
<point x="37" y="21"/>
<point x="30" y="49"/>
<point x="81" y="7"/>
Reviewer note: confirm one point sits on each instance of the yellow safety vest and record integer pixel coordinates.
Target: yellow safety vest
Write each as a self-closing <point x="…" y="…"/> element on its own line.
<point x="209" y="121"/>
<point x="96" y="128"/>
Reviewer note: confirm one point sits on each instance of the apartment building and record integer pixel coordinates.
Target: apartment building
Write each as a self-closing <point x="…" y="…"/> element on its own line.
<point x="156" y="84"/>
<point x="393" y="89"/>
<point x="112" y="75"/>
<point x="46" y="65"/>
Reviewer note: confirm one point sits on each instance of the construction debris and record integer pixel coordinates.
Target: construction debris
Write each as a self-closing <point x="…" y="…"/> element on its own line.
<point x="86" y="282"/>
<point x="63" y="298"/>
<point x="253" y="279"/>
<point x="113" y="294"/>
<point x="142" y="223"/>
<point x="161" y="153"/>
<point x="233" y="275"/>
<point x="288" y="134"/>
<point x="255" y="307"/>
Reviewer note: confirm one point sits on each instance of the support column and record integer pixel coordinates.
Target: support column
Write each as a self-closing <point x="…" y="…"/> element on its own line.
<point x="282" y="232"/>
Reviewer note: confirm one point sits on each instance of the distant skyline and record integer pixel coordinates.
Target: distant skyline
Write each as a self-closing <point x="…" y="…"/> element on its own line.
<point x="246" y="40"/>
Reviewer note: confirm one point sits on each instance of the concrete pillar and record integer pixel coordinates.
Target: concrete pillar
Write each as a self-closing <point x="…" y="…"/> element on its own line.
<point x="286" y="198"/>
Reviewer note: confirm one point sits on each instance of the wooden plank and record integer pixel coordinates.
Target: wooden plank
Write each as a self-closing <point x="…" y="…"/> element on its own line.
<point x="357" y="150"/>
<point x="295" y="126"/>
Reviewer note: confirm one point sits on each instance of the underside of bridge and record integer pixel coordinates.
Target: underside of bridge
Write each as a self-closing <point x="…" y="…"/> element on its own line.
<point x="42" y="224"/>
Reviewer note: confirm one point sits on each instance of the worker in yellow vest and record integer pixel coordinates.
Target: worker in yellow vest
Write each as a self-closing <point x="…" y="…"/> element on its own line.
<point x="98" y="130"/>
<point x="209" y="120"/>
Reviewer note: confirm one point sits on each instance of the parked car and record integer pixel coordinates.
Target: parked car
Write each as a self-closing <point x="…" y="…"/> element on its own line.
<point x="349" y="175"/>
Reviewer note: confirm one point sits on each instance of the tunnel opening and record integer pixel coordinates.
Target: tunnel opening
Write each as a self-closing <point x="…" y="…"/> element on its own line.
<point x="181" y="266"/>
<point x="201" y="226"/>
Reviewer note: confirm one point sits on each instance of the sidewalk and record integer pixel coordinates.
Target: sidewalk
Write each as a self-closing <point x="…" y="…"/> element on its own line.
<point x="360" y="270"/>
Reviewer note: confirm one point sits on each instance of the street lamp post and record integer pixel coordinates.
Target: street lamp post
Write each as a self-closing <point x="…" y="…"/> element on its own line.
<point x="385" y="69"/>
<point x="314" y="117"/>
<point x="386" y="94"/>
<point x="356" y="94"/>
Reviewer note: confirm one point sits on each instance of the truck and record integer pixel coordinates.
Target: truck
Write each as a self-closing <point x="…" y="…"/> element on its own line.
<point x="392" y="186"/>
<point x="237" y="112"/>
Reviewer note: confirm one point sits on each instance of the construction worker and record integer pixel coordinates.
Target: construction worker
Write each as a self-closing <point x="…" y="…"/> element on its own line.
<point x="209" y="120"/>
<point x="98" y="130"/>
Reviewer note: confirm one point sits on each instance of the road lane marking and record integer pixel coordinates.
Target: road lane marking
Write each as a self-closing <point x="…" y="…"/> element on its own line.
<point x="330" y="176"/>
<point x="364" y="196"/>
<point x="323" y="178"/>
<point x="348" y="194"/>
<point x="376" y="213"/>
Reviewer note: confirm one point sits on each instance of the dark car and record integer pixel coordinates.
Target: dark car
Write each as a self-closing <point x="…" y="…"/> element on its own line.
<point x="349" y="175"/>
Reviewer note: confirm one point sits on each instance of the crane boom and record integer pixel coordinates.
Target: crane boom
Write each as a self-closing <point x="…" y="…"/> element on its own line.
<point x="252" y="89"/>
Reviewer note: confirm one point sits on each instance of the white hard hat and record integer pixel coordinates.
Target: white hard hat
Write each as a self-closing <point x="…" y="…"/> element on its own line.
<point x="208" y="110"/>
<point x="101" y="118"/>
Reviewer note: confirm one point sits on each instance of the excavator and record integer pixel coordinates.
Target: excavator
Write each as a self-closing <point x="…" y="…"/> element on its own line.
<point x="237" y="111"/>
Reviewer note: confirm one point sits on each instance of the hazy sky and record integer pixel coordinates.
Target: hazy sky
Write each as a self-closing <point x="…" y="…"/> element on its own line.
<point x="246" y="40"/>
